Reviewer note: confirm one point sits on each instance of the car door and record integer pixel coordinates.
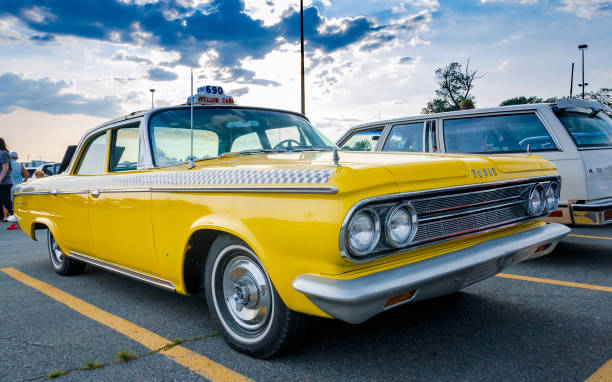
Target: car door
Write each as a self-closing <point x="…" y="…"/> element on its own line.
<point x="120" y="207"/>
<point x="70" y="199"/>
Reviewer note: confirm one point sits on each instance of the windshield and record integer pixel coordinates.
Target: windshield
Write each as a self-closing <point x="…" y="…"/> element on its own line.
<point x="589" y="130"/>
<point x="217" y="131"/>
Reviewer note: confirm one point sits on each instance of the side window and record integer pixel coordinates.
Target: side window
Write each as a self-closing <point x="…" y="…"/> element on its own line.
<point x="248" y="141"/>
<point x="497" y="134"/>
<point x="93" y="160"/>
<point x="363" y="141"/>
<point x="407" y="137"/>
<point x="124" y="149"/>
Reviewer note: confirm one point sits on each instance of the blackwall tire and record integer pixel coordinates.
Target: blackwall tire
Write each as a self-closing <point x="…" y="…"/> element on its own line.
<point x="244" y="304"/>
<point x="62" y="264"/>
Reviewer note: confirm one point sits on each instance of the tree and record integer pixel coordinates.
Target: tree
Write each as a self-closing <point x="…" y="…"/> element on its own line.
<point x="455" y="84"/>
<point x="522" y="100"/>
<point x="603" y="95"/>
<point x="363" y="145"/>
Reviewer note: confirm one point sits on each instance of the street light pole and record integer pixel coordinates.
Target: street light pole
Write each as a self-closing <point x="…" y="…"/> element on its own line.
<point x="582" y="48"/>
<point x="302" y="53"/>
<point x="152" y="91"/>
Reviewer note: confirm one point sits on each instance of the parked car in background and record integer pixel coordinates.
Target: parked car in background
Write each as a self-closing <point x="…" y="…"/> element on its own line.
<point x="49" y="169"/>
<point x="255" y="209"/>
<point x="30" y="171"/>
<point x="574" y="134"/>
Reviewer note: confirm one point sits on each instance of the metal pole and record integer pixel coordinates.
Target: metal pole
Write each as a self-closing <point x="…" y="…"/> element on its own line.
<point x="152" y="91"/>
<point x="582" y="48"/>
<point x="302" y="53"/>
<point x="572" y="82"/>
<point x="582" y="73"/>
<point x="191" y="162"/>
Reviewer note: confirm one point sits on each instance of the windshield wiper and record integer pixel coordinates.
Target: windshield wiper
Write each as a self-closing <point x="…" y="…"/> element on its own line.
<point x="311" y="149"/>
<point x="250" y="152"/>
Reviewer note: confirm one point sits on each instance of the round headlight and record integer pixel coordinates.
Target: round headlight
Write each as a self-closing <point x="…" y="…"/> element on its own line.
<point x="536" y="200"/>
<point x="363" y="232"/>
<point x="552" y="196"/>
<point x="401" y="225"/>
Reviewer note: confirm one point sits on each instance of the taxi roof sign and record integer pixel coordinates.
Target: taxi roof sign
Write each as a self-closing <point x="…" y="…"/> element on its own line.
<point x="210" y="95"/>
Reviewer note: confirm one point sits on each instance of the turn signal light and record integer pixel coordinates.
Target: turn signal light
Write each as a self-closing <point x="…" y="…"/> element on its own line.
<point x="400" y="298"/>
<point x="556" y="214"/>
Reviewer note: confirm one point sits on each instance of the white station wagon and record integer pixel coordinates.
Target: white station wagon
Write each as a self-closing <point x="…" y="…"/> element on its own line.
<point x="574" y="134"/>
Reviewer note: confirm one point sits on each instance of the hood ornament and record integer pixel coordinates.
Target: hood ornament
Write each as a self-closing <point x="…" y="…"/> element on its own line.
<point x="336" y="157"/>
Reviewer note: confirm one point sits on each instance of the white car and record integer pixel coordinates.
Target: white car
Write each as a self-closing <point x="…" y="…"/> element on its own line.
<point x="575" y="134"/>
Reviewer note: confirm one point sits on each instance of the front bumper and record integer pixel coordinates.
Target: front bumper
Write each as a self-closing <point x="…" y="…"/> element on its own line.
<point x="356" y="300"/>
<point x="592" y="214"/>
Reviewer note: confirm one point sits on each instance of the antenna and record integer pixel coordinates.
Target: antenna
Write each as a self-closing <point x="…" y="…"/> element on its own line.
<point x="572" y="82"/>
<point x="191" y="164"/>
<point x="528" y="148"/>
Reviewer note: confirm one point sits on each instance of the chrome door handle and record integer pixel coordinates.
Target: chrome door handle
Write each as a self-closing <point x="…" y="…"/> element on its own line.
<point x="95" y="193"/>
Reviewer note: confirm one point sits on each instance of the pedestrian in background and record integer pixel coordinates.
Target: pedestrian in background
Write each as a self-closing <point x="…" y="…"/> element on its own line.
<point x="6" y="180"/>
<point x="18" y="172"/>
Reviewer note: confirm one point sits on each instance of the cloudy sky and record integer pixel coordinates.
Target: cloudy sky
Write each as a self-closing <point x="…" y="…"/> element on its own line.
<point x="67" y="66"/>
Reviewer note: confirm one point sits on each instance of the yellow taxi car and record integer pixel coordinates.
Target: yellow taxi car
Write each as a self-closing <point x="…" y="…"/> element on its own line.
<point x="259" y="212"/>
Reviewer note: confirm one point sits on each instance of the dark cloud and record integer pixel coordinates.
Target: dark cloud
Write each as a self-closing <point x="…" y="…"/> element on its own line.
<point x="51" y="97"/>
<point x="121" y="56"/>
<point x="243" y="76"/>
<point x="371" y="46"/>
<point x="159" y="74"/>
<point x="176" y="26"/>
<point x="406" y="60"/>
<point x="43" y="38"/>
<point x="239" y="92"/>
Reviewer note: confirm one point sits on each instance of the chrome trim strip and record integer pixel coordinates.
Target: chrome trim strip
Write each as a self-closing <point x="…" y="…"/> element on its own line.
<point x="358" y="299"/>
<point x="282" y="190"/>
<point x="147" y="278"/>
<point x="379" y="198"/>
<point x="279" y="190"/>
<point x="467" y="210"/>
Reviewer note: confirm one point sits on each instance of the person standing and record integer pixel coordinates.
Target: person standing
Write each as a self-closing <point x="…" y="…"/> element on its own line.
<point x="18" y="173"/>
<point x="6" y="179"/>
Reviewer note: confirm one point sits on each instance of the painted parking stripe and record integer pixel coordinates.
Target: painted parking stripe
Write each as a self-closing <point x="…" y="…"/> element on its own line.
<point x="555" y="282"/>
<point x="181" y="355"/>
<point x="590" y="237"/>
<point x="602" y="375"/>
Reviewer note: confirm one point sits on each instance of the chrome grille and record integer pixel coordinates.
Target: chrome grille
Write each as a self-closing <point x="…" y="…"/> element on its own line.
<point x="443" y="203"/>
<point x="451" y="226"/>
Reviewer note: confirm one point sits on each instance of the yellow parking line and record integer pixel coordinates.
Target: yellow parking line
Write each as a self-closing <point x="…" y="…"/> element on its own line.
<point x="602" y="375"/>
<point x="181" y="355"/>
<point x="590" y="237"/>
<point x="555" y="282"/>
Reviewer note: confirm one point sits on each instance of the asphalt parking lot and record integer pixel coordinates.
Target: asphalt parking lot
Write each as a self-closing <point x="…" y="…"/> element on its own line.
<point x="545" y="319"/>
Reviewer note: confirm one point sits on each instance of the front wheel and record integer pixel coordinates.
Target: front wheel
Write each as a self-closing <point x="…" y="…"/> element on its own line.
<point x="61" y="263"/>
<point x="245" y="305"/>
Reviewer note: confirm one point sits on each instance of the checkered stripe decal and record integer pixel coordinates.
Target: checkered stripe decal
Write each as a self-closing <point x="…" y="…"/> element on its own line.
<point x="196" y="178"/>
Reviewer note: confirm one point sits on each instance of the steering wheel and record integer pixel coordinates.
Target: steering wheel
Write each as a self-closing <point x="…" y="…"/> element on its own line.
<point x="288" y="141"/>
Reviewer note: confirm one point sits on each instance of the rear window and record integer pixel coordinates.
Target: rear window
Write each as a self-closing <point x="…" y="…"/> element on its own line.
<point x="497" y="134"/>
<point x="587" y="130"/>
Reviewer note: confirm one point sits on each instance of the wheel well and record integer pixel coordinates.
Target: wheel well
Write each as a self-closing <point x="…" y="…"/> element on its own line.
<point x="36" y="227"/>
<point x="195" y="258"/>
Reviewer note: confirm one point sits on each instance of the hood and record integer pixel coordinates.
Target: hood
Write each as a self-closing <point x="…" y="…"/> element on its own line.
<point x="409" y="171"/>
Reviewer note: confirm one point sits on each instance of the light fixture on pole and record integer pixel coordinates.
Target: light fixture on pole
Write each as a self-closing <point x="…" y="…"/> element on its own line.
<point x="152" y="91"/>
<point x="582" y="48"/>
<point x="302" y="53"/>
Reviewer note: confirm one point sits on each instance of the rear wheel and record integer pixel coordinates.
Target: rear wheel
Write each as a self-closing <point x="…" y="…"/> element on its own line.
<point x="61" y="263"/>
<point x="245" y="305"/>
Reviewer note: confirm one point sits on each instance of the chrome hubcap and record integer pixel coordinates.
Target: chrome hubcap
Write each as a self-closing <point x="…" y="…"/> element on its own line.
<point x="246" y="293"/>
<point x="56" y="252"/>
